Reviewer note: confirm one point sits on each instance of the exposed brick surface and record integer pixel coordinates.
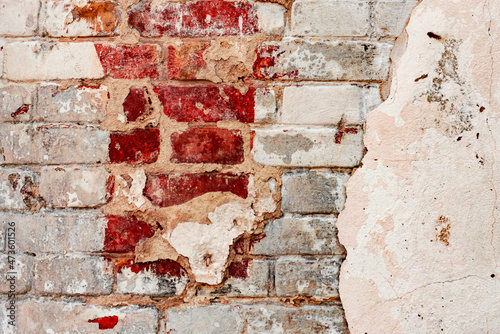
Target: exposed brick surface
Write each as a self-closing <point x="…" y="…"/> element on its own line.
<point x="18" y="18"/>
<point x="16" y="102"/>
<point x="16" y="272"/>
<point x="138" y="146"/>
<point x="194" y="19"/>
<point x="19" y="189"/>
<point x="207" y="145"/>
<point x="136" y="104"/>
<point x="72" y="275"/>
<point x="123" y="233"/>
<point x="391" y="16"/>
<point x="207" y="103"/>
<point x="185" y="60"/>
<point x="82" y="18"/>
<point x="174" y="189"/>
<point x="129" y="62"/>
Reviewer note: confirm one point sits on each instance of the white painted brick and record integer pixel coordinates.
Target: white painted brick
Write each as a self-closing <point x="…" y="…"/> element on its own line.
<point x="16" y="266"/>
<point x="52" y="144"/>
<point x="48" y="61"/>
<point x="73" y="104"/>
<point x="72" y="275"/>
<point x="310" y="319"/>
<point x="307" y="277"/>
<point x="74" y="187"/>
<point x="271" y="18"/>
<point x="214" y="319"/>
<point x="2" y="52"/>
<point x="14" y="99"/>
<point x="391" y="16"/>
<point x="265" y="105"/>
<point x="58" y="231"/>
<point x="300" y="235"/>
<point x="298" y="59"/>
<point x="18" y="17"/>
<point x="307" y="147"/>
<point x="322" y="105"/>
<point x="330" y="18"/>
<point x="15" y="188"/>
<point x="149" y="281"/>
<point x="40" y="316"/>
<point x="61" y="18"/>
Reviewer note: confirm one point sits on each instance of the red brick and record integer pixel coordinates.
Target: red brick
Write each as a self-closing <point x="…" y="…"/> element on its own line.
<point x="185" y="60"/>
<point x="266" y="59"/>
<point x="239" y="269"/>
<point x="136" y="104"/>
<point x="207" y="145"/>
<point x="163" y="267"/>
<point x="174" y="189"/>
<point x="138" y="146"/>
<point x="208" y="104"/>
<point x="123" y="233"/>
<point x="194" y="19"/>
<point x="129" y="62"/>
<point x="106" y="322"/>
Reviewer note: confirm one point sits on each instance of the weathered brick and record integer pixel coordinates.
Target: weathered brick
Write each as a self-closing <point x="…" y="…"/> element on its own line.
<point x="175" y="189"/>
<point x="2" y="52"/>
<point x="39" y="316"/>
<point x="19" y="267"/>
<point x="194" y="19"/>
<point x="16" y="102"/>
<point x="68" y="18"/>
<point x="247" y="278"/>
<point x="138" y="146"/>
<point x="137" y="105"/>
<point x="307" y="277"/>
<point x="330" y="18"/>
<point x="52" y="144"/>
<point x="19" y="189"/>
<point x="270" y="319"/>
<point x="74" y="104"/>
<point x="51" y="60"/>
<point x="214" y="319"/>
<point x="185" y="60"/>
<point x="326" y="60"/>
<point x="306" y="146"/>
<point x="207" y="145"/>
<point x="72" y="275"/>
<point x="74" y="187"/>
<point x="271" y="18"/>
<point x="123" y="233"/>
<point x="129" y="62"/>
<point x="164" y="278"/>
<point x="265" y="106"/>
<point x="391" y="16"/>
<point x="19" y="18"/>
<point x="300" y="235"/>
<point x="207" y="103"/>
<point x="322" y="105"/>
<point x="317" y="191"/>
<point x="58" y="231"/>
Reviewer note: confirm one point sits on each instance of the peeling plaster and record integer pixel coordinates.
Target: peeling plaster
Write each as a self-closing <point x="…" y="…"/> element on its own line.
<point x="419" y="224"/>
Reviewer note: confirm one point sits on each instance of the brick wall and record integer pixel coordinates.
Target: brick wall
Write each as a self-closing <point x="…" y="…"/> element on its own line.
<point x="177" y="167"/>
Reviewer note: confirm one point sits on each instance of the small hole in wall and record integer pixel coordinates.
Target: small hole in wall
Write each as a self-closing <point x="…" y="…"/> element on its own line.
<point x="492" y="275"/>
<point x="208" y="259"/>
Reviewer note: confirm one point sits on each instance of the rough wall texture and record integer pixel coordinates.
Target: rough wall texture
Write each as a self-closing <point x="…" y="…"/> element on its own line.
<point x="178" y="167"/>
<point x="420" y="223"/>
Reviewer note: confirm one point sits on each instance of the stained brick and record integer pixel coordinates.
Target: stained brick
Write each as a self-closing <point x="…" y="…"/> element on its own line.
<point x="19" y="189"/>
<point x="68" y="18"/>
<point x="174" y="189"/>
<point x="185" y="60"/>
<point x="207" y="145"/>
<point x="129" y="62"/>
<point x="165" y="278"/>
<point x="138" y="146"/>
<point x="73" y="275"/>
<point x="40" y="316"/>
<point x="123" y="233"/>
<point x="137" y="104"/>
<point x="300" y="235"/>
<point x="52" y="144"/>
<point x="16" y="102"/>
<point x="207" y="103"/>
<point x="392" y="16"/>
<point x="74" y="187"/>
<point x="73" y="104"/>
<point x="18" y="18"/>
<point x="326" y="60"/>
<point x="194" y="19"/>
<point x="21" y="269"/>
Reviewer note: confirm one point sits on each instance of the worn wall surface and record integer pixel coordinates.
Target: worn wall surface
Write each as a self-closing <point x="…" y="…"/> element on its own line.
<point x="178" y="166"/>
<point x="420" y="223"/>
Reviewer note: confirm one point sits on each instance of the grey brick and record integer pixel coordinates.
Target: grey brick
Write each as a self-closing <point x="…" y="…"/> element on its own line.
<point x="18" y="189"/>
<point x="21" y="268"/>
<point x="16" y="98"/>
